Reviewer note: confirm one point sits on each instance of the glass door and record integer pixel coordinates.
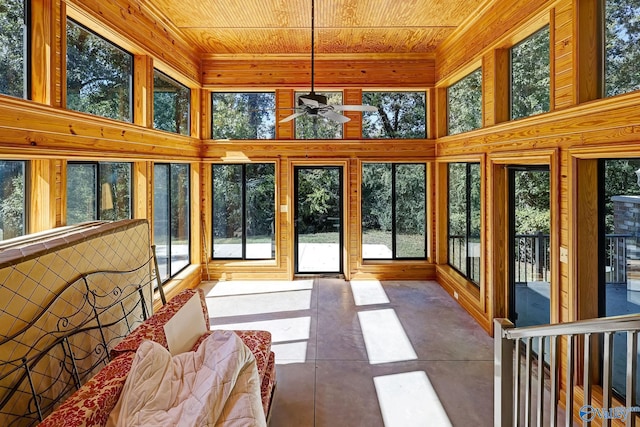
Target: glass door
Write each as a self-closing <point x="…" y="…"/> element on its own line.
<point x="318" y="219"/>
<point x="529" y="233"/>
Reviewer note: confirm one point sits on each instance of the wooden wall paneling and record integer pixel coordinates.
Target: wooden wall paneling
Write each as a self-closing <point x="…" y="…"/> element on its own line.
<point x="285" y="99"/>
<point x="195" y="218"/>
<point x="562" y="59"/>
<point x="37" y="130"/>
<point x="588" y="69"/>
<point x="442" y="212"/>
<point x="488" y="88"/>
<point x="354" y="239"/>
<point x="61" y="57"/>
<point x="206" y="120"/>
<point x="196" y="116"/>
<point x="60" y="205"/>
<point x="143" y="90"/>
<point x="284" y="213"/>
<point x="441" y="110"/>
<point x="583" y="250"/>
<point x="206" y="215"/>
<point x="353" y="128"/>
<point x="136" y="27"/>
<point x="497" y="244"/>
<point x="142" y="195"/>
<point x="42" y="51"/>
<point x="501" y="86"/>
<point x="41" y="213"/>
<point x="486" y="31"/>
<point x="348" y="71"/>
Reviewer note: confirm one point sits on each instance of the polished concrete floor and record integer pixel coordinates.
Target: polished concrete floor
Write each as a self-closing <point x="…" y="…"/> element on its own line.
<point x="365" y="353"/>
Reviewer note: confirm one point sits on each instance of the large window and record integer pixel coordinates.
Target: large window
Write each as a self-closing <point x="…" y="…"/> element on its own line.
<point x="170" y="104"/>
<point x="99" y="75"/>
<point x="400" y="115"/>
<point x="464" y="104"/>
<point x="171" y="232"/>
<point x="393" y="210"/>
<point x="244" y="211"/>
<point x="243" y="115"/>
<point x="464" y="219"/>
<point x="13" y="48"/>
<point x="622" y="46"/>
<point x="530" y="75"/>
<point x="620" y="252"/>
<point x="12" y="198"/>
<point x="98" y="191"/>
<point x="317" y="127"/>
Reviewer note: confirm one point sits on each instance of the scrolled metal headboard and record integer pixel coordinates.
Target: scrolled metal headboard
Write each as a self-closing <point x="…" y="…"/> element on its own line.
<point x="51" y="354"/>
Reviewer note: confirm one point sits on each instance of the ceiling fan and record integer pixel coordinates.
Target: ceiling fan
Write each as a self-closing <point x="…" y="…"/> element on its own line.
<point x="314" y="104"/>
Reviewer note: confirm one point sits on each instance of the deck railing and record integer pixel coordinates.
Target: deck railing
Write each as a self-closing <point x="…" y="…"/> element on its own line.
<point x="526" y="388"/>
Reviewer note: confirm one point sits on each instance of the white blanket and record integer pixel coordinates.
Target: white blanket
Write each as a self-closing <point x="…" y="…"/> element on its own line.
<point x="216" y="385"/>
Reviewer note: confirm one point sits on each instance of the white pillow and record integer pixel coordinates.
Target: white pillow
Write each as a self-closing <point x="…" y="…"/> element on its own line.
<point x="185" y="327"/>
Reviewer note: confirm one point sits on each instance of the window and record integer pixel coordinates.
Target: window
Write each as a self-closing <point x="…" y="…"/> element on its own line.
<point x="171" y="102"/>
<point x="98" y="191"/>
<point x="464" y="104"/>
<point x="14" y="49"/>
<point x="620" y="253"/>
<point x="393" y="210"/>
<point x="243" y="115"/>
<point x="464" y="219"/>
<point x="621" y="46"/>
<point x="400" y="115"/>
<point x="99" y="75"/>
<point x="317" y="127"/>
<point x="171" y="232"/>
<point x="13" y="200"/>
<point x="530" y="75"/>
<point x="244" y="211"/>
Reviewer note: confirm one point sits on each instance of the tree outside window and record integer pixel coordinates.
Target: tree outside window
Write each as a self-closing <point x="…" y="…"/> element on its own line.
<point x="400" y="115"/>
<point x="248" y="115"/>
<point x="99" y="75"/>
<point x="464" y="104"/>
<point x="13" y="48"/>
<point x="622" y="46"/>
<point x="12" y="199"/>
<point x="171" y="101"/>
<point x="530" y="76"/>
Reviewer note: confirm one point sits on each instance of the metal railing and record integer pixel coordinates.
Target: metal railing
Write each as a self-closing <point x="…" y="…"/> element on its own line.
<point x="521" y="389"/>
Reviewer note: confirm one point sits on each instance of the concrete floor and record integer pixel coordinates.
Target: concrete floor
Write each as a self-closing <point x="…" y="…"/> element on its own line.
<point x="365" y="353"/>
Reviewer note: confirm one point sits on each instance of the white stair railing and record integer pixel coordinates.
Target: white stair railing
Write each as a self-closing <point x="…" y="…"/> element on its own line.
<point x="522" y="384"/>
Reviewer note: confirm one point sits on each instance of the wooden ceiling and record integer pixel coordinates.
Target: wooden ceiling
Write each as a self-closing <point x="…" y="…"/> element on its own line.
<point x="283" y="27"/>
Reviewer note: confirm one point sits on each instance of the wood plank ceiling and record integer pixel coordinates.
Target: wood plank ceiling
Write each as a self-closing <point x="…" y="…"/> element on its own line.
<point x="282" y="27"/>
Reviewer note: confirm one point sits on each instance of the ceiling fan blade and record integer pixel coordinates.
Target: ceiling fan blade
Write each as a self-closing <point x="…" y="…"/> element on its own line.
<point x="291" y="117"/>
<point x="332" y="115"/>
<point x="355" y="108"/>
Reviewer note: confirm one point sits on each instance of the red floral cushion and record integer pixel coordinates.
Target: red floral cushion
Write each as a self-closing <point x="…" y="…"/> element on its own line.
<point x="93" y="402"/>
<point x="153" y="328"/>
<point x="268" y="382"/>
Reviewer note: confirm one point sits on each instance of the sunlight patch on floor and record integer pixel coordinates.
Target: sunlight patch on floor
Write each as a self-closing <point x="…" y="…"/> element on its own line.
<point x="246" y="305"/>
<point x="384" y="337"/>
<point x="408" y="399"/>
<point x="368" y="292"/>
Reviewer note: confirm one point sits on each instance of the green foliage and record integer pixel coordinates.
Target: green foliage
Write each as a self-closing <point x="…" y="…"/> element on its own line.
<point x="243" y="115"/>
<point x="99" y="75"/>
<point x="13" y="50"/>
<point x="400" y="115"/>
<point x="317" y="127"/>
<point x="171" y="102"/>
<point x="12" y="199"/>
<point x="376" y="196"/>
<point x="532" y="202"/>
<point x="98" y="191"/>
<point x="530" y="75"/>
<point x="622" y="46"/>
<point x="464" y="104"/>
<point x="318" y="200"/>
